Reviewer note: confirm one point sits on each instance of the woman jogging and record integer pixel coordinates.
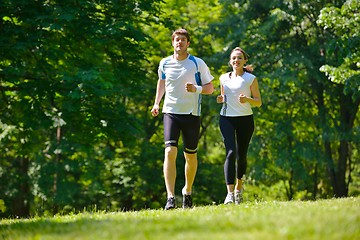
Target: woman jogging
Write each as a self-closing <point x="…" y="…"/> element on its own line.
<point x="239" y="93"/>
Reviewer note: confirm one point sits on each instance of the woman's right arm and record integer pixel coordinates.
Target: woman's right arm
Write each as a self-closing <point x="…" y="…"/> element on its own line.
<point x="220" y="98"/>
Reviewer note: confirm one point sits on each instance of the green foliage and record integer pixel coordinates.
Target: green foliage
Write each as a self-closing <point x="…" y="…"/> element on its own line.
<point x="69" y="89"/>
<point x="2" y="206"/>
<point x="343" y="25"/>
<point x="78" y="79"/>
<point x="301" y="122"/>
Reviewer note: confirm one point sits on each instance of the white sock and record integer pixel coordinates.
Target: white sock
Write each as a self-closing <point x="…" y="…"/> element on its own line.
<point x="239" y="191"/>
<point x="184" y="192"/>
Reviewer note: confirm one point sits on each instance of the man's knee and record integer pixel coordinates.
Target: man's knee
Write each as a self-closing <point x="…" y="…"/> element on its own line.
<point x="190" y="151"/>
<point x="190" y="157"/>
<point x="170" y="150"/>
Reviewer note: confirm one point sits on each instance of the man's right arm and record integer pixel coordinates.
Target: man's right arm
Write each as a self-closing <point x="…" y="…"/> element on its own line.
<point x="160" y="90"/>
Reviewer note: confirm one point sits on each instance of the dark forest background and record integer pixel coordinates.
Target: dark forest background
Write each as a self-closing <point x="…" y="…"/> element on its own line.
<point x="78" y="80"/>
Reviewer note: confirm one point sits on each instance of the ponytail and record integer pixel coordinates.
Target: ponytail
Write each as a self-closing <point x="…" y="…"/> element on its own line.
<point x="249" y="68"/>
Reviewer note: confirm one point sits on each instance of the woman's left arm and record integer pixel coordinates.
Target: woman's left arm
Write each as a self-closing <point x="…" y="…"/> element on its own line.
<point x="255" y="93"/>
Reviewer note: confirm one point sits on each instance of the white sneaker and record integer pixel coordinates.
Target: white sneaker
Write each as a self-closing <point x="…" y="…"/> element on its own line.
<point x="230" y="198"/>
<point x="239" y="196"/>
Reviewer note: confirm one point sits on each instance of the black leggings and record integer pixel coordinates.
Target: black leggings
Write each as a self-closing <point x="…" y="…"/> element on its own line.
<point x="236" y="133"/>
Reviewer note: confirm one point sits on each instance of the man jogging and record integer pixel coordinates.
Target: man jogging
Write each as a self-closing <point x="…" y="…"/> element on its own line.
<point x="182" y="78"/>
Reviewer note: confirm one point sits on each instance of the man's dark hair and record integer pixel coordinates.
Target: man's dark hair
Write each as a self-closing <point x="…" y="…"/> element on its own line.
<point x="181" y="31"/>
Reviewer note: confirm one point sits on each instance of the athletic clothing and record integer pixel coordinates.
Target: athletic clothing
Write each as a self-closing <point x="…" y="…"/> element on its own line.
<point x="236" y="133"/>
<point x="176" y="74"/>
<point x="181" y="108"/>
<point x="236" y="124"/>
<point x="189" y="125"/>
<point x="233" y="87"/>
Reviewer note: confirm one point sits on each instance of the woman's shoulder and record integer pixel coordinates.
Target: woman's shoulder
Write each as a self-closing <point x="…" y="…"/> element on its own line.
<point x="249" y="75"/>
<point x="225" y="75"/>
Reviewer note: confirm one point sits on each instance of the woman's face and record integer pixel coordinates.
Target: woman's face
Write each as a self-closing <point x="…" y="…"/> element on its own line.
<point x="237" y="59"/>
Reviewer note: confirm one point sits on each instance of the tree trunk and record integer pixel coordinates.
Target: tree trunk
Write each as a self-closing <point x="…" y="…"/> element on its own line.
<point x="330" y="166"/>
<point x="21" y="202"/>
<point x="290" y="189"/>
<point x="348" y="110"/>
<point x="55" y="181"/>
<point x="341" y="189"/>
<point x="315" y="181"/>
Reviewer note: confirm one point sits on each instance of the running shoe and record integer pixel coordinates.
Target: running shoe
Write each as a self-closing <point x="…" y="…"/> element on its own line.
<point x="187" y="201"/>
<point x="170" y="203"/>
<point x="230" y="198"/>
<point x="239" y="196"/>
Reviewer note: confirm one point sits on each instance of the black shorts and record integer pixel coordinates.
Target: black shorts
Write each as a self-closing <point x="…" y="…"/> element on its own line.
<point x="188" y="125"/>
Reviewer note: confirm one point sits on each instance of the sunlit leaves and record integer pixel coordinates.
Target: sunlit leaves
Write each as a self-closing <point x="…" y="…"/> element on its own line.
<point x="344" y="24"/>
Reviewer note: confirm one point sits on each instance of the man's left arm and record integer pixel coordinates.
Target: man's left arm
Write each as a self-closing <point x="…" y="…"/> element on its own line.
<point x="207" y="89"/>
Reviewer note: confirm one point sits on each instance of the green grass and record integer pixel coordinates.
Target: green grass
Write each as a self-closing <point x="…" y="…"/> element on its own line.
<point x="322" y="219"/>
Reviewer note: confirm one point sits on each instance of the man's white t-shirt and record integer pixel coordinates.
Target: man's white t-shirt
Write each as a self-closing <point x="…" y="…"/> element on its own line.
<point x="176" y="74"/>
<point x="233" y="87"/>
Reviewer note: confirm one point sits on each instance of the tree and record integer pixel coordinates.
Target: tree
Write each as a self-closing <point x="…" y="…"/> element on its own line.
<point x="78" y="79"/>
<point x="68" y="82"/>
<point x="341" y="26"/>
<point x="304" y="116"/>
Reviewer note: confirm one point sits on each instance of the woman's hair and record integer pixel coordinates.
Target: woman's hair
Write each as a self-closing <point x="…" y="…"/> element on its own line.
<point x="247" y="68"/>
<point x="181" y="31"/>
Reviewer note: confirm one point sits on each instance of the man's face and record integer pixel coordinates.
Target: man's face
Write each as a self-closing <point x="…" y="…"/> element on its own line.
<point x="180" y="43"/>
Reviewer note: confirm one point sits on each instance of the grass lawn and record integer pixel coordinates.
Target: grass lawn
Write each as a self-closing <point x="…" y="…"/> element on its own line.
<point x="322" y="219"/>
